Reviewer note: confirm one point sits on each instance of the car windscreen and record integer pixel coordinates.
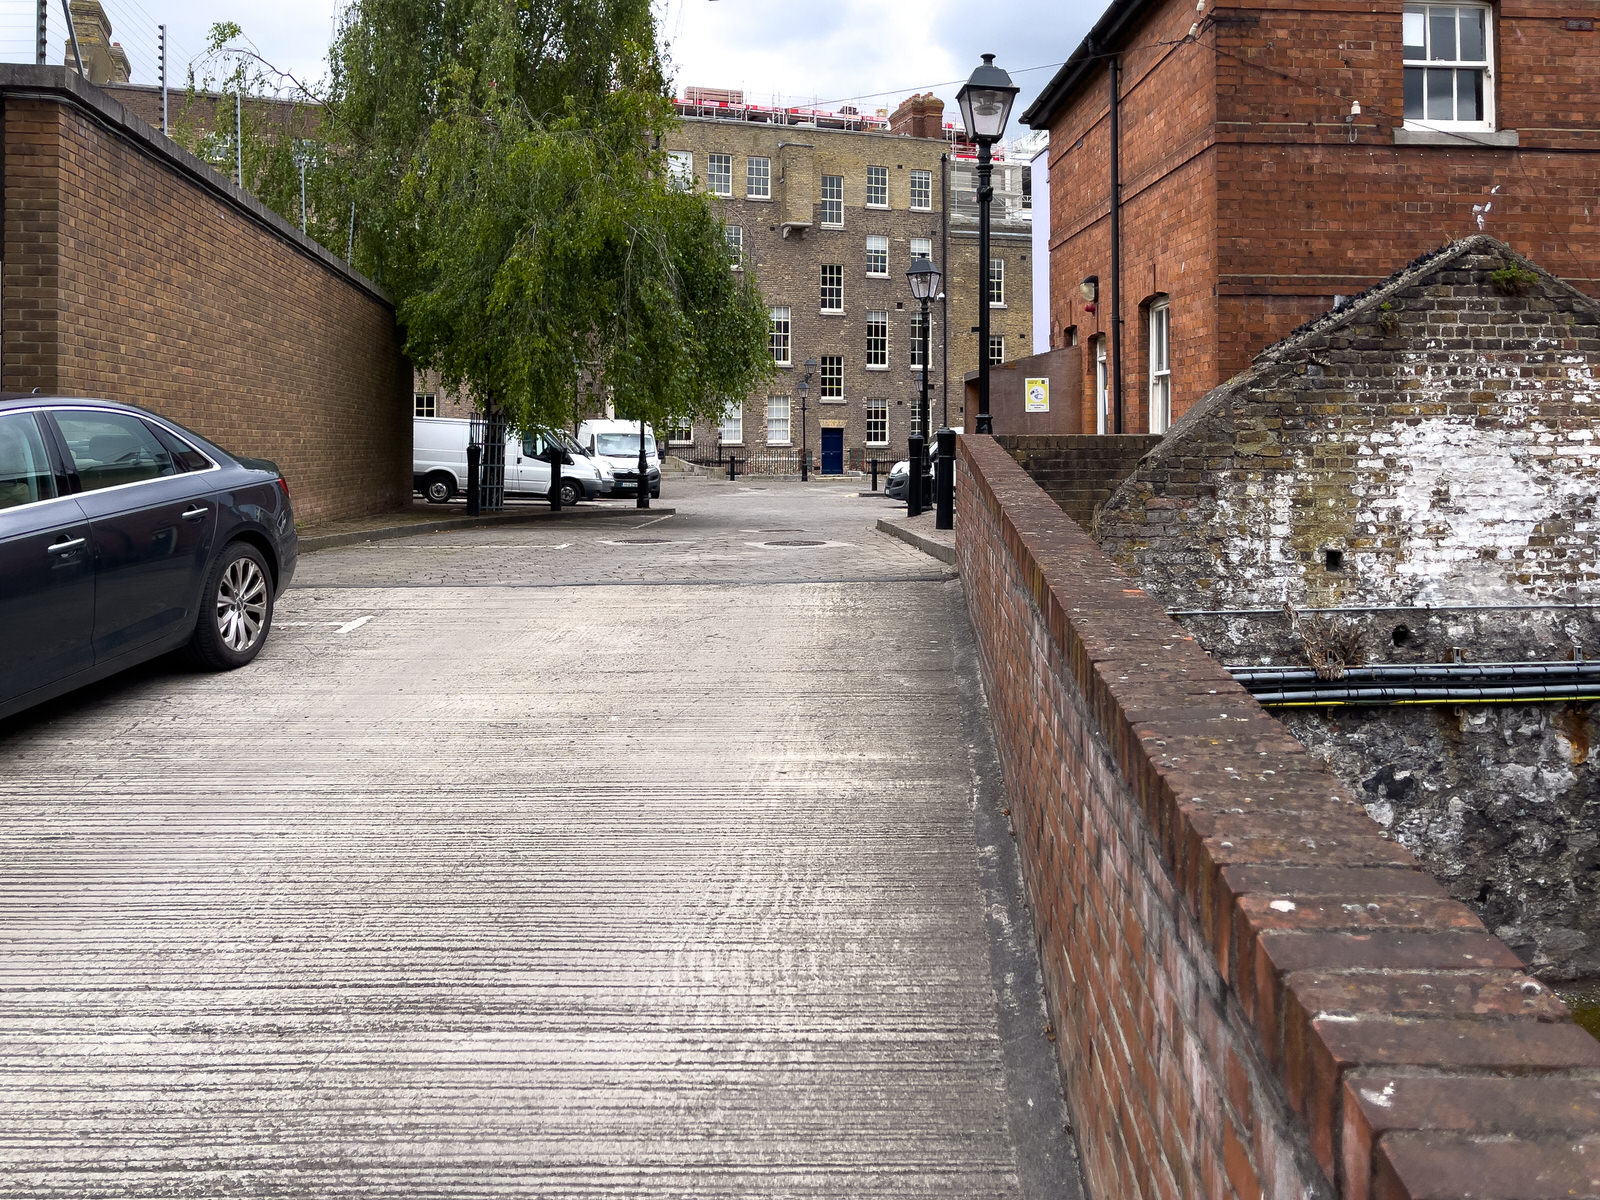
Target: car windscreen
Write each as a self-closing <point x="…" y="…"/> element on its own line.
<point x="620" y="444"/>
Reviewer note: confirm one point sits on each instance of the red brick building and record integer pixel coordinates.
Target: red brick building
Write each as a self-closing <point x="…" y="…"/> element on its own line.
<point x="1273" y="159"/>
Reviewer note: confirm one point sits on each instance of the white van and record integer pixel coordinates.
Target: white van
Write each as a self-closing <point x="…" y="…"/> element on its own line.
<point x="439" y="463"/>
<point x="617" y="443"/>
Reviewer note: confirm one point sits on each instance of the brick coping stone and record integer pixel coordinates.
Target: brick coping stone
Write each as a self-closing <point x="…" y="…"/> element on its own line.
<point x="1423" y="1062"/>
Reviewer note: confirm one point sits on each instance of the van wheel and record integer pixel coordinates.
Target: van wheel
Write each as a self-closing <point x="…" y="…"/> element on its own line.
<point x="655" y="492"/>
<point x="571" y="492"/>
<point x="439" y="488"/>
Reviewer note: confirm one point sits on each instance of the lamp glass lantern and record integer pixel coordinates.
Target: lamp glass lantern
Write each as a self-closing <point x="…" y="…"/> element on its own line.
<point x="985" y="101"/>
<point x="924" y="278"/>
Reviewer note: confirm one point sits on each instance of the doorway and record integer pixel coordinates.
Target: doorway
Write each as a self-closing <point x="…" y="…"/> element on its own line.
<point x="833" y="452"/>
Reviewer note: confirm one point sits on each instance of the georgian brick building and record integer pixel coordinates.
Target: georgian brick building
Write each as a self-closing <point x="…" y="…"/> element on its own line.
<point x="1274" y="159"/>
<point x="828" y="209"/>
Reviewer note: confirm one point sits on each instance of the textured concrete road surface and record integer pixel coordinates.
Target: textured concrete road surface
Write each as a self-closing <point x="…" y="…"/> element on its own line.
<point x="633" y="857"/>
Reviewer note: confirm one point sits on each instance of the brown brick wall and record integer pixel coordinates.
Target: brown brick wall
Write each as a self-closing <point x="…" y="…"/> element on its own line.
<point x="134" y="274"/>
<point x="1246" y="200"/>
<point x="1257" y="994"/>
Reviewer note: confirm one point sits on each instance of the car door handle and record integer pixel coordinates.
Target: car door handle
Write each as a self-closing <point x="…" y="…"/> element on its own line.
<point x="66" y="547"/>
<point x="195" y="513"/>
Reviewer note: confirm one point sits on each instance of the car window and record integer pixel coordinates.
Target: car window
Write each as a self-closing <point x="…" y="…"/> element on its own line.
<point x="185" y="455"/>
<point x="110" y="449"/>
<point x="25" y="474"/>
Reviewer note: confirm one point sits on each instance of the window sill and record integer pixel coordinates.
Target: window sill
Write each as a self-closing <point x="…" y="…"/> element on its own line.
<point x="1419" y="136"/>
<point x="830" y="312"/>
<point x="877" y="207"/>
<point x="832" y="400"/>
<point x="914" y="208"/>
<point x="722" y="195"/>
<point x="877" y="367"/>
<point x="830" y="225"/>
<point x="759" y="199"/>
<point x="877" y="274"/>
<point x="779" y="445"/>
<point x="992" y="304"/>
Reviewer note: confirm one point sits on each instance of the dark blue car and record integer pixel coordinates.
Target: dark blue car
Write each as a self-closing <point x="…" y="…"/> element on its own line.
<point x="124" y="536"/>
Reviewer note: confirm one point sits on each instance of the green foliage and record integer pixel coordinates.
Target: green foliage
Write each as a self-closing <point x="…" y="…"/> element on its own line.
<point x="500" y="156"/>
<point x="1513" y="279"/>
<point x="497" y="163"/>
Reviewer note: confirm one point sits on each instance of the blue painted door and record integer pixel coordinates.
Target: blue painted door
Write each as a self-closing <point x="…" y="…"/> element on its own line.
<point x="833" y="452"/>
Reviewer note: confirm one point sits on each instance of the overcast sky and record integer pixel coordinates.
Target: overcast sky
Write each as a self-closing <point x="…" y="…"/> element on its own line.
<point x="869" y="52"/>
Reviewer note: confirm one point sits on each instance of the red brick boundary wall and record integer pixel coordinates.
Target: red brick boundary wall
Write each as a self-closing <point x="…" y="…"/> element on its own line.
<point x="133" y="271"/>
<point x="1256" y="994"/>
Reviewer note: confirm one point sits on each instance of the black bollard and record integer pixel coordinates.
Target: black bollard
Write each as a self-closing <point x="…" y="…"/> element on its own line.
<point x="914" y="477"/>
<point x="874" y="464"/>
<point x="644" y="479"/>
<point x="553" y="451"/>
<point x="474" y="482"/>
<point x="944" y="480"/>
<point x="733" y="468"/>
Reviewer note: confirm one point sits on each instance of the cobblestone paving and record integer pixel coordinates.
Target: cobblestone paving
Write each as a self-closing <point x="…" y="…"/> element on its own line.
<point x="501" y="875"/>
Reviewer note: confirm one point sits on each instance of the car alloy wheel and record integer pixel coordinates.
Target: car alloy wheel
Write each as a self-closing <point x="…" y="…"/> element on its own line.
<point x="237" y="610"/>
<point x="241" y="604"/>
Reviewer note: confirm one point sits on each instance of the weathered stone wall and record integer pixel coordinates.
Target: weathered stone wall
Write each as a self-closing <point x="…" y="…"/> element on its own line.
<point x="1258" y="995"/>
<point x="1501" y="801"/>
<point x="1439" y="437"/>
<point x="1424" y="462"/>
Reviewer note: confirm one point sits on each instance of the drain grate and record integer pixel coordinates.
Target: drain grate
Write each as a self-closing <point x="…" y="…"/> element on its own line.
<point x="796" y="542"/>
<point x="644" y="541"/>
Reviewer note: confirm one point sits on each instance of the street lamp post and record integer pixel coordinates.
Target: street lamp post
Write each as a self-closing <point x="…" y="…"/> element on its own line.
<point x="804" y="388"/>
<point x="924" y="280"/>
<point x="985" y="101"/>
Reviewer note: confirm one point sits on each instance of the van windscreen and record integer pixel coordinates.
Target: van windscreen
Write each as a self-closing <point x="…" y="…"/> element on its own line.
<point x="620" y="444"/>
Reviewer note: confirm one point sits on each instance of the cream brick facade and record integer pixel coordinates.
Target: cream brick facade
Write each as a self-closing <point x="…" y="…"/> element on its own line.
<point x="786" y="244"/>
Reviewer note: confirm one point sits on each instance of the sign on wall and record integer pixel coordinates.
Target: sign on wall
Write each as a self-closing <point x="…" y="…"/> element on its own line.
<point x="1037" y="392"/>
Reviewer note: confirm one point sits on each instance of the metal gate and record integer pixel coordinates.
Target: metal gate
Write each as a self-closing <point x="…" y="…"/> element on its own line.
<point x="488" y="434"/>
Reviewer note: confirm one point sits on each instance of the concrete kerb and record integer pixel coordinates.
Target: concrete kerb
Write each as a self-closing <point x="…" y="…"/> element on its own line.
<point x="933" y="543"/>
<point x="328" y="541"/>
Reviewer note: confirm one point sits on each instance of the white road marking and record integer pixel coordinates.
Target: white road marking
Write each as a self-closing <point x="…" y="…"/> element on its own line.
<point x="349" y="625"/>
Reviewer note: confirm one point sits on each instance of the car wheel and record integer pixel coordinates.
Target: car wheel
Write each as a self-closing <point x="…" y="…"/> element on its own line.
<point x="571" y="492"/>
<point x="655" y="492"/>
<point x="235" y="609"/>
<point x="439" y="488"/>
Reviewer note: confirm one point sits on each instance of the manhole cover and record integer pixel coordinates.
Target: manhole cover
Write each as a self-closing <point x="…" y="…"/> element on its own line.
<point x="796" y="542"/>
<point x="644" y="541"/>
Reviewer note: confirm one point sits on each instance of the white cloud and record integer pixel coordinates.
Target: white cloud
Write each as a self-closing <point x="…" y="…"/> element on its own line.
<point x="870" y="52"/>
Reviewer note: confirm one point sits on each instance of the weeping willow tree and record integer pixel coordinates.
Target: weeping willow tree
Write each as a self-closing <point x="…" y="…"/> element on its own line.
<point x="503" y="159"/>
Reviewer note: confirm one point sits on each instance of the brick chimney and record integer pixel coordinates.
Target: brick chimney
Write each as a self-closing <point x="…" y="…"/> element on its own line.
<point x="919" y="116"/>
